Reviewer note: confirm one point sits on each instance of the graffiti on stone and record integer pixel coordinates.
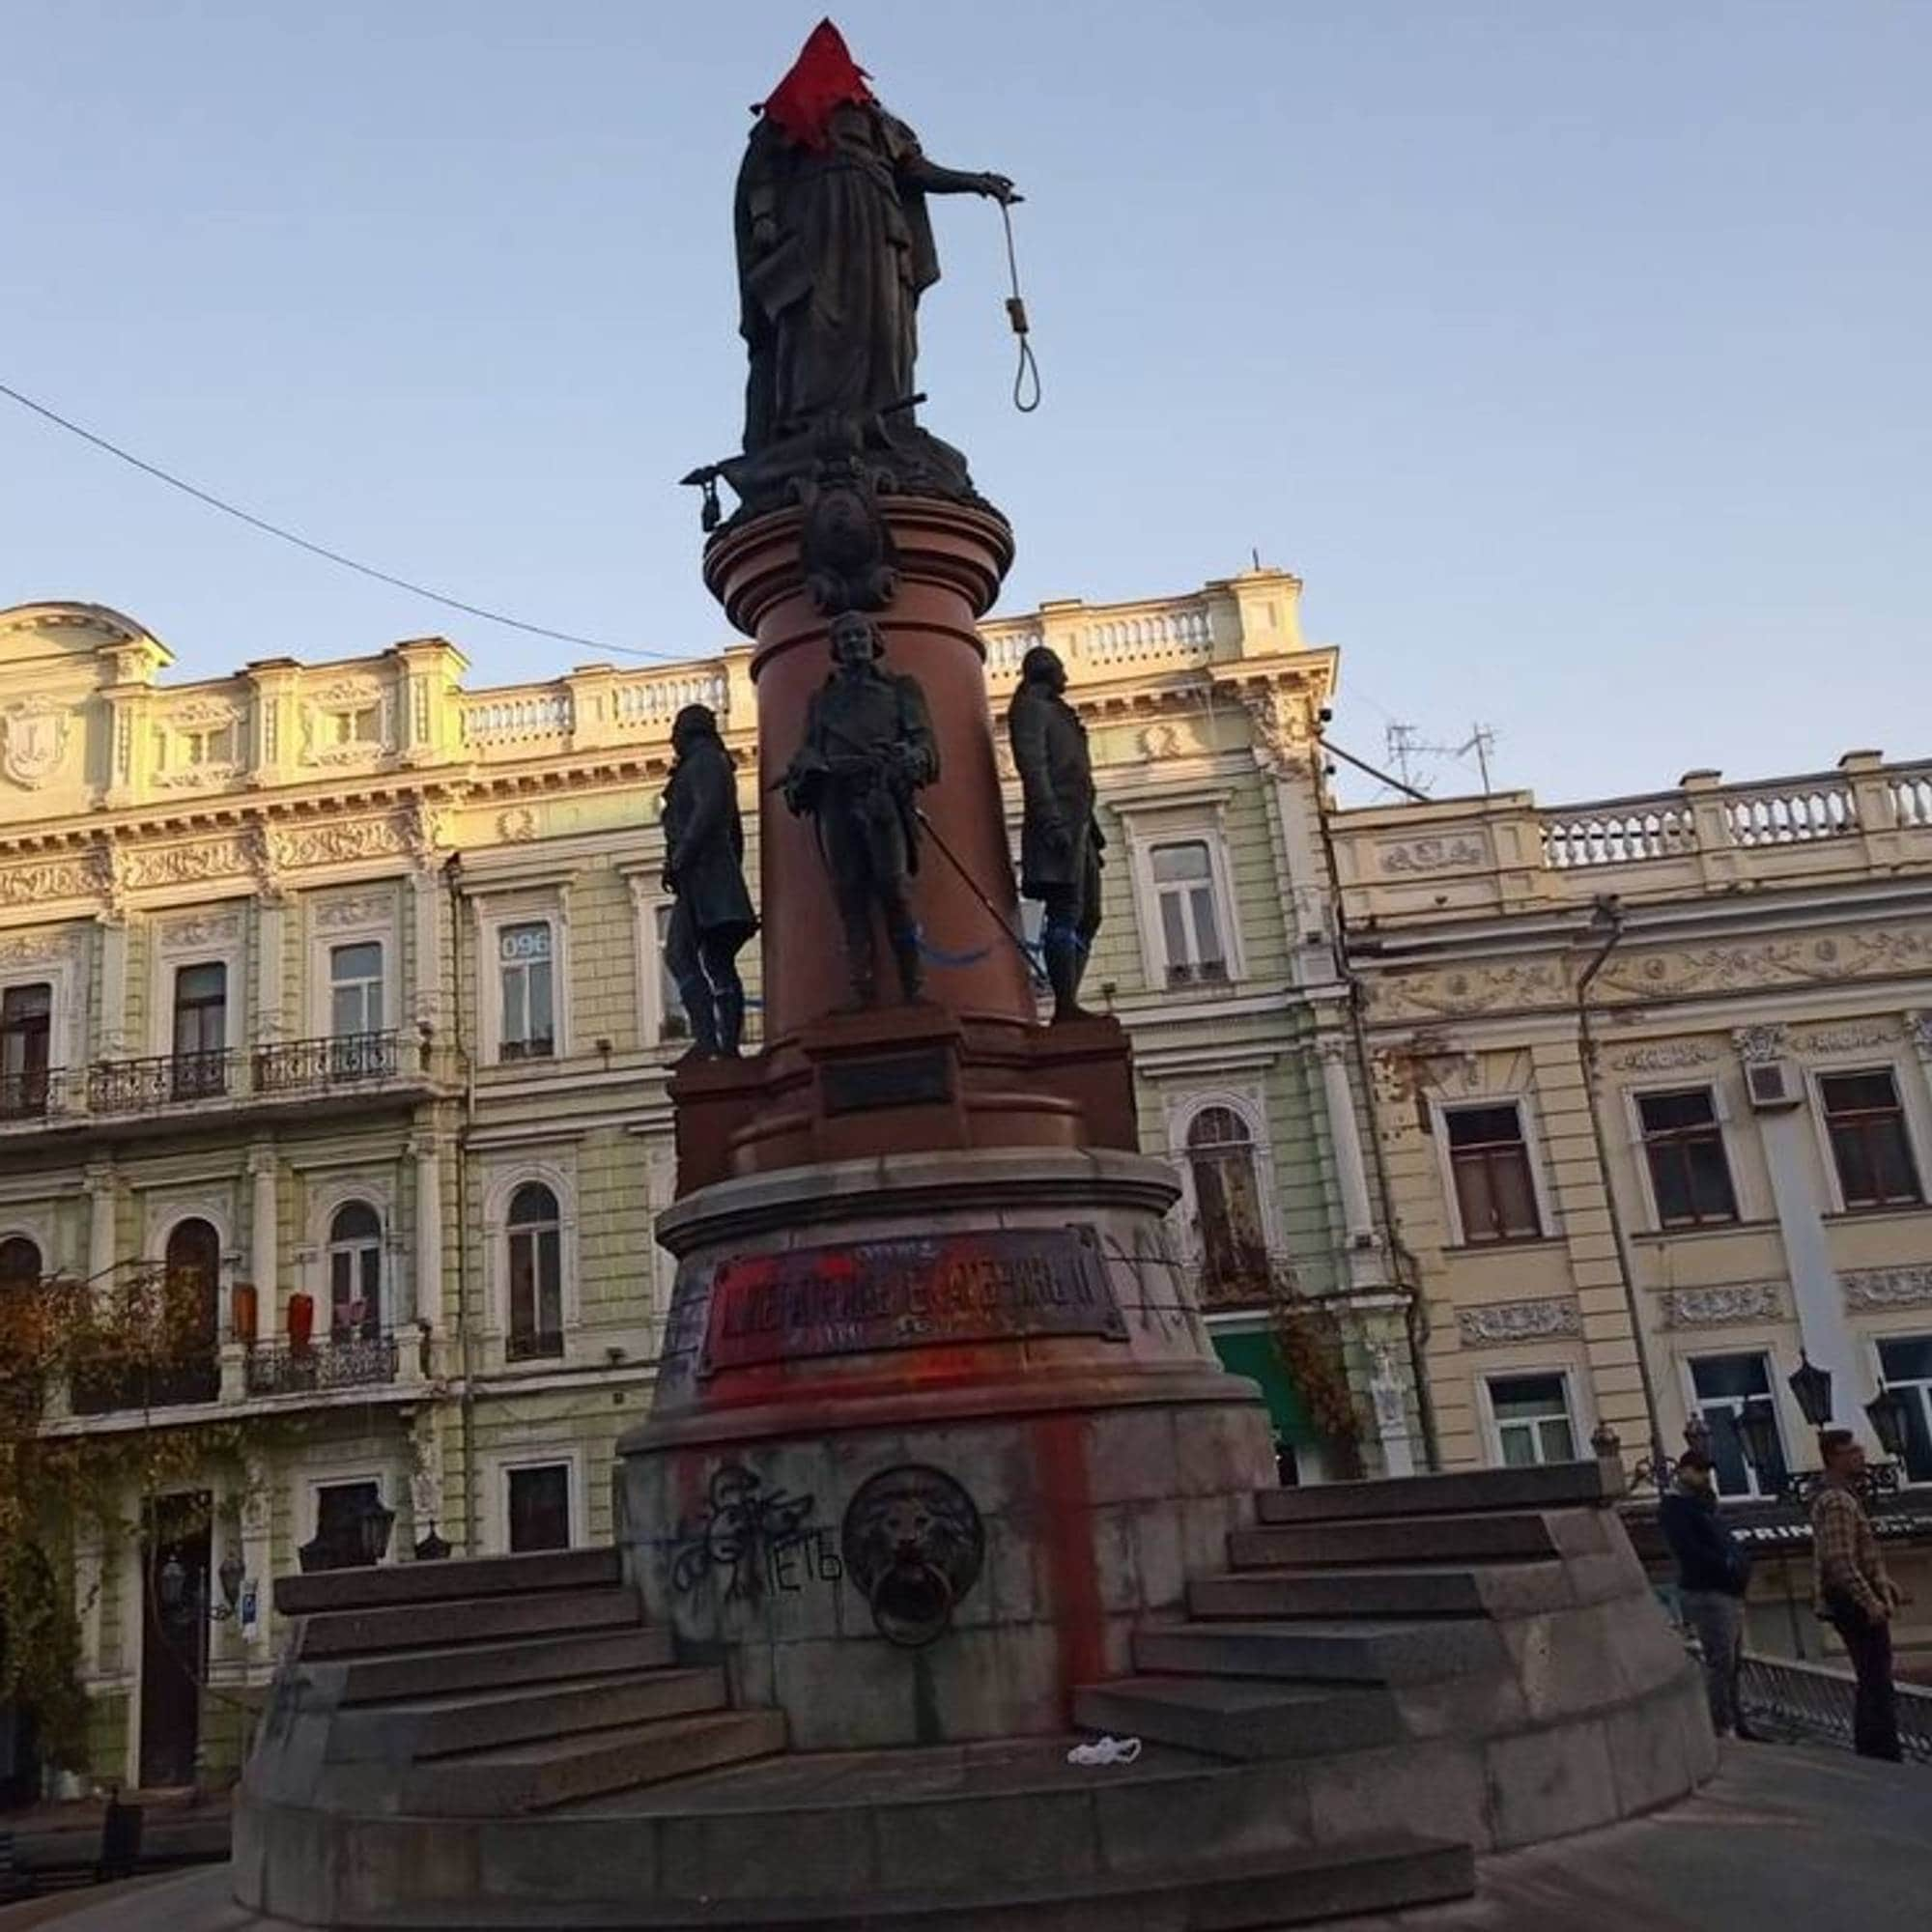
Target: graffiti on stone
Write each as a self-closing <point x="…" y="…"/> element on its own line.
<point x="757" y="1538"/>
<point x="914" y="1545"/>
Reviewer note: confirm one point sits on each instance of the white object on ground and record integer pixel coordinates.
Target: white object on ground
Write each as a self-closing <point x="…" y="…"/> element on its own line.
<point x="1106" y="1751"/>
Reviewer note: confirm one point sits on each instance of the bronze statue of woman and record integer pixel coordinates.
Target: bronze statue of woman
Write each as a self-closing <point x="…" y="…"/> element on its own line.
<point x="835" y="247"/>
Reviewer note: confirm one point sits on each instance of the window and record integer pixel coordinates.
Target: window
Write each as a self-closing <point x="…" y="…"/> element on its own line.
<point x="355" y="1273"/>
<point x="536" y="1273"/>
<point x="1684" y="1147"/>
<point x="1869" y="1143"/>
<point x="201" y="1031"/>
<point x="340" y="1511"/>
<point x="1906" y="1365"/>
<point x="1720" y="1385"/>
<point x="1532" y="1416"/>
<point x="1496" y="1197"/>
<point x="192" y="1263"/>
<point x="1190" y="927"/>
<point x="673" y="1022"/>
<point x="523" y="965"/>
<point x="19" y="1263"/>
<point x="355" y="989"/>
<point x="1227" y="1197"/>
<point x="359" y="725"/>
<point x="539" y="1507"/>
<point x="26" y="1035"/>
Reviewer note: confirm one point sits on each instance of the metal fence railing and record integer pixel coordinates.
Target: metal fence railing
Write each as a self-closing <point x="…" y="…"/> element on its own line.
<point x="1816" y="1701"/>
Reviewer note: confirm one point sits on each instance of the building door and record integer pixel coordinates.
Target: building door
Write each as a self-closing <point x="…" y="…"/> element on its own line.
<point x="173" y="1637"/>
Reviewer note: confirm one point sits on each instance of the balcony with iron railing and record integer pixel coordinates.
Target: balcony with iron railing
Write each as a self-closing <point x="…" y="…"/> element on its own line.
<point x="1450" y="858"/>
<point x="340" y="1068"/>
<point x="344" y="1361"/>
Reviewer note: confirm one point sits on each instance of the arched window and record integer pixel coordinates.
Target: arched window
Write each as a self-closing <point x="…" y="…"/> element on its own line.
<point x="355" y="1272"/>
<point x="1227" y="1196"/>
<point x="19" y="1263"/>
<point x="536" y="1273"/>
<point x="193" y="1264"/>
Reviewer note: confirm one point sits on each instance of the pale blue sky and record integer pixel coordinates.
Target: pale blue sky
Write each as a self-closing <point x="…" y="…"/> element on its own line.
<point x="1574" y="355"/>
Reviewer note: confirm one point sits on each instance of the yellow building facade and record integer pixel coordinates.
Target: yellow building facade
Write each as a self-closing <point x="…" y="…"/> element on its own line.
<point x="1653" y="1095"/>
<point x="335" y="990"/>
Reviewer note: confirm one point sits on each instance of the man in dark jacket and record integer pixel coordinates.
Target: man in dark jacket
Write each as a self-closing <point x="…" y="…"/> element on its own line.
<point x="705" y="868"/>
<point x="1060" y="840"/>
<point x="1712" y="1573"/>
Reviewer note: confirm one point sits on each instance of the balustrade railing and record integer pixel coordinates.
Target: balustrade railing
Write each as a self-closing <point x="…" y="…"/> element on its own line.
<point x="345" y="1361"/>
<point x="1816" y="1701"/>
<point x="1912" y="799"/>
<point x="25" y="1097"/>
<point x="1791" y="817"/>
<point x="657" y="701"/>
<point x="1617" y="837"/>
<point x="540" y="715"/>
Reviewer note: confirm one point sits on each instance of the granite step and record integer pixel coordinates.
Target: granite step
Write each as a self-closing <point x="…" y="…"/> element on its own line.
<point x="1241" y="1717"/>
<point x="1507" y="1590"/>
<point x="447" y="1582"/>
<point x="1461" y="1491"/>
<point x="1506" y="1536"/>
<point x="542" y="1772"/>
<point x="435" y="1726"/>
<point x="491" y="1666"/>
<point x="1251" y="1891"/>
<point x="1347" y="1653"/>
<point x="433" y="1625"/>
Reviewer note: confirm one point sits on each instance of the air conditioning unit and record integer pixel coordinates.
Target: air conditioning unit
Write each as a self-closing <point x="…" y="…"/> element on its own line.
<point x="1771" y="1083"/>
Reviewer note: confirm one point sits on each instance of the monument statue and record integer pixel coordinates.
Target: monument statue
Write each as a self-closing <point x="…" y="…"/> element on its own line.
<point x="835" y="247"/>
<point x="868" y="748"/>
<point x="1060" y="837"/>
<point x="704" y="870"/>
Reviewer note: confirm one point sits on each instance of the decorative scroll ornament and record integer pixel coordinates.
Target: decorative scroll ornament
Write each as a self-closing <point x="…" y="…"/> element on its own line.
<point x="1432" y="855"/>
<point x="1667" y="1056"/>
<point x="1853" y="1038"/>
<point x="1501" y="1322"/>
<point x="33" y="741"/>
<point x="1716" y="1307"/>
<point x="1867" y="1290"/>
<point x="1757" y="1044"/>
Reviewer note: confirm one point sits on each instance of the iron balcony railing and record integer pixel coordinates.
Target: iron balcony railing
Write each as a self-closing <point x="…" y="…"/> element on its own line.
<point x="290" y="1070"/>
<point x="345" y="1361"/>
<point x="530" y="1344"/>
<point x="193" y="1376"/>
<point x="1816" y="1701"/>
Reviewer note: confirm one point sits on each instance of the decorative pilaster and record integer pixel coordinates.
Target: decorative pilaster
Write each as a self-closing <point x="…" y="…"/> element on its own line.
<point x="1389" y="1396"/>
<point x="426" y="1001"/>
<point x="103" y="1194"/>
<point x="271" y="920"/>
<point x="426" y="1283"/>
<point x="1351" y="1174"/>
<point x="112" y="1044"/>
<point x="1791" y="1153"/>
<point x="265" y="1233"/>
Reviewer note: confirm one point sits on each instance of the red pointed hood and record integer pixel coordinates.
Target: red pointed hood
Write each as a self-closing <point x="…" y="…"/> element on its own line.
<point x="824" y="77"/>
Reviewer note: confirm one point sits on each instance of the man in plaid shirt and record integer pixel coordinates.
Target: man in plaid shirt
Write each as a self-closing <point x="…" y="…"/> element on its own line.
<point x="1854" y="1593"/>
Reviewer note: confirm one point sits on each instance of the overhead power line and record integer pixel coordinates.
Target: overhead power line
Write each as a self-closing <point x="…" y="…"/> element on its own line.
<point x="323" y="551"/>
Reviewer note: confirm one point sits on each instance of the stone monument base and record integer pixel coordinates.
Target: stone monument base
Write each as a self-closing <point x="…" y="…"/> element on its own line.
<point x="935" y="1433"/>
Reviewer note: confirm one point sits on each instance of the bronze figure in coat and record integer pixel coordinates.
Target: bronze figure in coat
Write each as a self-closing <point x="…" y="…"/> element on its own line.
<point x="1060" y="837"/>
<point x="704" y="871"/>
<point x="868" y="748"/>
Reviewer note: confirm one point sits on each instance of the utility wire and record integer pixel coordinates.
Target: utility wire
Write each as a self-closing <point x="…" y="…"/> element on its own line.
<point x="323" y="551"/>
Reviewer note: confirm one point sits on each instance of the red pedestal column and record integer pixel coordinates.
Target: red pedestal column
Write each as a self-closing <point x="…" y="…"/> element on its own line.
<point x="969" y="1066"/>
<point x="952" y="560"/>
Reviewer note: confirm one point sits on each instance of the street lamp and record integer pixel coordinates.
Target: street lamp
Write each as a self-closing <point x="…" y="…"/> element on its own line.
<point x="1813" y="1386"/>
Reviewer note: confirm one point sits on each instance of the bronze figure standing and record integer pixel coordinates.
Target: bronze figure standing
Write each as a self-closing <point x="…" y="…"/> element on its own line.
<point x="868" y="749"/>
<point x="1060" y="837"/>
<point x="704" y="870"/>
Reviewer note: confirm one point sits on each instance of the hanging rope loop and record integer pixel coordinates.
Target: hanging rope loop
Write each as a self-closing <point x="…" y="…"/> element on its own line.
<point x="1026" y="375"/>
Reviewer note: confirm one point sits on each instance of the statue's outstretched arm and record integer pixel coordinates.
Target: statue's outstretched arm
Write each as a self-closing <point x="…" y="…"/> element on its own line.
<point x="931" y="179"/>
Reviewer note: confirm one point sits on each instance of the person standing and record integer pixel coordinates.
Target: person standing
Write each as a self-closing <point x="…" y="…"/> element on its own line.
<point x="1855" y="1592"/>
<point x="1713" y="1572"/>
